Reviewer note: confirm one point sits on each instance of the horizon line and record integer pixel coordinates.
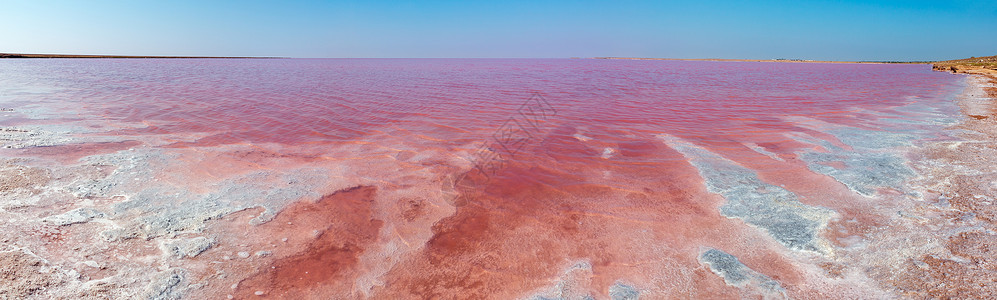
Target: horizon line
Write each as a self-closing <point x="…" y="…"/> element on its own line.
<point x="112" y="56"/>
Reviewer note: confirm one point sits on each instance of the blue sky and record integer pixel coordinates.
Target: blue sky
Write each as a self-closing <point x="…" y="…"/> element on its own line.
<point x="762" y="29"/>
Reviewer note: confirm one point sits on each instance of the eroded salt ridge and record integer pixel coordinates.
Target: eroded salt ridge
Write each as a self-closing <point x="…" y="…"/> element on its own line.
<point x="771" y="208"/>
<point x="737" y="274"/>
<point x="874" y="158"/>
<point x="864" y="170"/>
<point x="155" y="208"/>
<point x="122" y="193"/>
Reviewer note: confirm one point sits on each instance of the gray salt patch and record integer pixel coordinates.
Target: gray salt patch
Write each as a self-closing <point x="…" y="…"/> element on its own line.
<point x="186" y="248"/>
<point x="574" y="283"/>
<point x="762" y="150"/>
<point x="159" y="212"/>
<point x="118" y="234"/>
<point x="737" y="274"/>
<point x="726" y="266"/>
<point x="620" y="291"/>
<point x="864" y="172"/>
<point x="129" y="165"/>
<point x="774" y="209"/>
<point x="79" y="215"/>
<point x="166" y="285"/>
<point x="871" y="139"/>
<point x="164" y="210"/>
<point x="190" y="217"/>
<point x="34" y="136"/>
<point x="91" y="264"/>
<point x="867" y="166"/>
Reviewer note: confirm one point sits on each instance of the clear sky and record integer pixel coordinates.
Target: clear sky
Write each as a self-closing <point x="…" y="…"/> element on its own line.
<point x="761" y="29"/>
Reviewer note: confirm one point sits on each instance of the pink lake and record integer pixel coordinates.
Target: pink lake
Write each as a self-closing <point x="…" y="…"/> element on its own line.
<point x="470" y="178"/>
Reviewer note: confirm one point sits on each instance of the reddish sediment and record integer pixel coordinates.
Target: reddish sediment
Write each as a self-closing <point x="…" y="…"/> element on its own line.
<point x="520" y="229"/>
<point x="342" y="226"/>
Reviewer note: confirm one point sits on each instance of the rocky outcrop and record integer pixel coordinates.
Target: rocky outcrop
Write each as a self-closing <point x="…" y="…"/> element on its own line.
<point x="975" y="65"/>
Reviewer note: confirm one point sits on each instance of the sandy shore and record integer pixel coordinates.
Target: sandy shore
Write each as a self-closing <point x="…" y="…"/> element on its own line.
<point x="960" y="207"/>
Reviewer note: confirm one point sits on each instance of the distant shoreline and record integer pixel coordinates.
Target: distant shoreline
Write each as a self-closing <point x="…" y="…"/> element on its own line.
<point x="983" y="65"/>
<point x="24" y="55"/>
<point x="771" y="60"/>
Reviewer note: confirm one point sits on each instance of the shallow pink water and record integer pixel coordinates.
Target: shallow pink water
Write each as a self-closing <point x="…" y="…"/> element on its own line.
<point x="299" y="101"/>
<point x="597" y="176"/>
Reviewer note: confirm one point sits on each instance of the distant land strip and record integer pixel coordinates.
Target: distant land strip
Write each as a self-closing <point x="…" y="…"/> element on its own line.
<point x="21" y="55"/>
<point x="773" y="60"/>
<point x="986" y="65"/>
